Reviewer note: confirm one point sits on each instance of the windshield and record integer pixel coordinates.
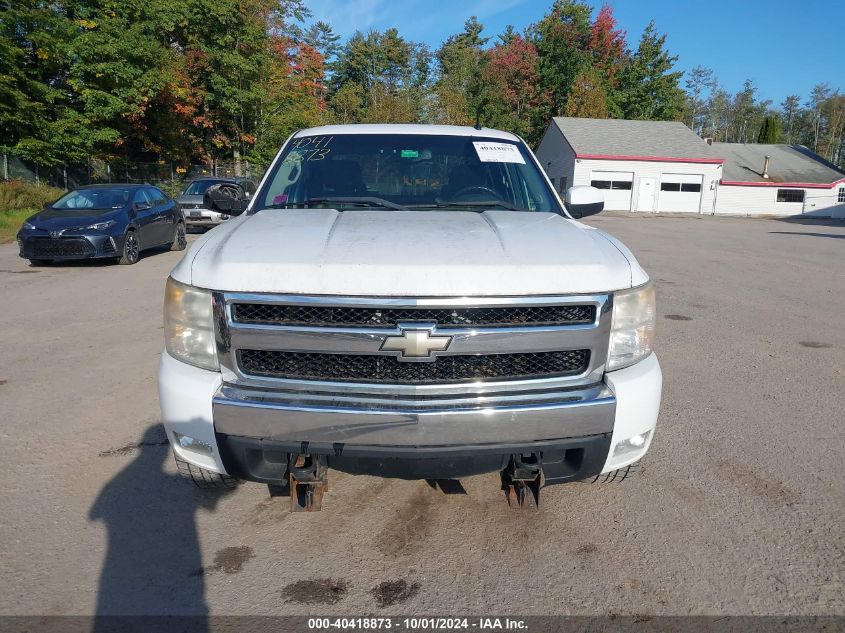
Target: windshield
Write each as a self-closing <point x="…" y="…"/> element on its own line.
<point x="105" y="198"/>
<point x="198" y="187"/>
<point x="407" y="171"/>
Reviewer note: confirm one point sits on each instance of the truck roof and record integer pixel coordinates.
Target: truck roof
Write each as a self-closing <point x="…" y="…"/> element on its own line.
<point x="407" y="128"/>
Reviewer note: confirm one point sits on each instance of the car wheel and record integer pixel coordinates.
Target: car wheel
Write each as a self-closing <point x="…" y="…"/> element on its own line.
<point x="179" y="240"/>
<point x="40" y="262"/>
<point x="203" y="478"/>
<point x="131" y="249"/>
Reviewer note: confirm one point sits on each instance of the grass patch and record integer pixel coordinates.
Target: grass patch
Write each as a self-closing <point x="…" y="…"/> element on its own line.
<point x="10" y="222"/>
<point x="18" y="201"/>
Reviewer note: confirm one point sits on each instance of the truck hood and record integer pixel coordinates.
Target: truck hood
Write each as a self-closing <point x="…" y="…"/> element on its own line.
<point x="407" y="253"/>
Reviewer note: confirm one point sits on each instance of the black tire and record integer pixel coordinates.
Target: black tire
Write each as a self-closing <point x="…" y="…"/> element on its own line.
<point x="180" y="242"/>
<point x="131" y="249"/>
<point x="203" y="478"/>
<point x="40" y="262"/>
<point x="615" y="476"/>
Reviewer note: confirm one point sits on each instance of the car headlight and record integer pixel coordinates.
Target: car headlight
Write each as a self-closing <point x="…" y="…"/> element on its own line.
<point x="27" y="225"/>
<point x="189" y="325"/>
<point x="102" y="226"/>
<point x="632" y="331"/>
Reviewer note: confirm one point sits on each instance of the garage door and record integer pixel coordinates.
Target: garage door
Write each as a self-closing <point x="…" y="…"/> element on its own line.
<point x="616" y="187"/>
<point x="680" y="192"/>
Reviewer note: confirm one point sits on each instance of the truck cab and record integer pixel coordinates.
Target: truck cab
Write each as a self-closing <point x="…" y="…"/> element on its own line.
<point x="410" y="301"/>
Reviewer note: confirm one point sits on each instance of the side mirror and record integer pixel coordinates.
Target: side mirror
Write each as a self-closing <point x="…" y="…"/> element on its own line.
<point x="227" y="198"/>
<point x="583" y="201"/>
<point x="142" y="206"/>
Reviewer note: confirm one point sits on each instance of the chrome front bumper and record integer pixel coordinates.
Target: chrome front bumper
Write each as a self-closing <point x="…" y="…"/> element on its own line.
<point x="352" y="419"/>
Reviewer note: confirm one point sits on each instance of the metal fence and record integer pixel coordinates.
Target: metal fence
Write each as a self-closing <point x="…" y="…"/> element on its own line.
<point x="167" y="176"/>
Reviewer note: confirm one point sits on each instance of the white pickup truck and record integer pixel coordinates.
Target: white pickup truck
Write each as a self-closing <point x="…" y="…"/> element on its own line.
<point x="409" y="301"/>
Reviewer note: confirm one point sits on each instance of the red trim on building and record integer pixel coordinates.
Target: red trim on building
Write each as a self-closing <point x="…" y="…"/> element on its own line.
<point x="655" y="159"/>
<point x="783" y="185"/>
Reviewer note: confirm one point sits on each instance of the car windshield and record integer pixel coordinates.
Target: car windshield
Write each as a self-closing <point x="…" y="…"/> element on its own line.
<point x="407" y="171"/>
<point x="105" y="198"/>
<point x="198" y="187"/>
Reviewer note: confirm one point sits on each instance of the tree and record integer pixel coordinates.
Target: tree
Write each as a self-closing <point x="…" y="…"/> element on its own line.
<point x="323" y="39"/>
<point x="38" y="118"/>
<point x="607" y="49"/>
<point x="562" y="40"/>
<point x="700" y="82"/>
<point x="460" y="89"/>
<point x="649" y="88"/>
<point x="348" y="102"/>
<point x="770" y="130"/>
<point x="821" y="93"/>
<point x="508" y="35"/>
<point x="789" y="113"/>
<point x="515" y="98"/>
<point x="587" y="97"/>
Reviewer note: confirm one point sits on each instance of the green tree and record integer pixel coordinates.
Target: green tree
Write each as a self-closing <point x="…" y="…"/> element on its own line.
<point x="39" y="120"/>
<point x="769" y="131"/>
<point x="649" y="87"/>
<point x="460" y="91"/>
<point x="562" y="39"/>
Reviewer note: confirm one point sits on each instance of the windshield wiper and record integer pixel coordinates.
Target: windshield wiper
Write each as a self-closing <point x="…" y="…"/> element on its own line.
<point x="469" y="203"/>
<point x="364" y="201"/>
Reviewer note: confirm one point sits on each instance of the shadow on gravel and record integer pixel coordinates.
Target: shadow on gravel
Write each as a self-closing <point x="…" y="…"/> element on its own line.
<point x="836" y="236"/>
<point x="153" y="550"/>
<point x="812" y="221"/>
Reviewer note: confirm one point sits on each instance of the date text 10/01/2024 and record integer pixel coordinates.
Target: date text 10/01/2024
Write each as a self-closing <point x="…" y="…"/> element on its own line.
<point x="417" y="624"/>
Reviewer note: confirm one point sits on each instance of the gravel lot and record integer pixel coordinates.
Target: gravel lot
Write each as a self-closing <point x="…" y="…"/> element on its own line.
<point x="739" y="509"/>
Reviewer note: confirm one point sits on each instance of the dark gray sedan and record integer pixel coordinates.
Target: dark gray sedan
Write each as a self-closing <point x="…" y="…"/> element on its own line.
<point x="103" y="221"/>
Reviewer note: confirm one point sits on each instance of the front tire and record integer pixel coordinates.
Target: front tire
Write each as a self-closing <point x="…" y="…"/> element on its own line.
<point x="616" y="476"/>
<point x="203" y="478"/>
<point x="131" y="249"/>
<point x="179" y="240"/>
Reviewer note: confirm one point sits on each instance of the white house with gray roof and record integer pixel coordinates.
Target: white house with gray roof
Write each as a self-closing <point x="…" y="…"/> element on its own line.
<point x="663" y="166"/>
<point x="647" y="166"/>
<point x="778" y="180"/>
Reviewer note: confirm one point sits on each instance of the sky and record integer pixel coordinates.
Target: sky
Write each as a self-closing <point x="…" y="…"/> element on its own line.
<point x="785" y="46"/>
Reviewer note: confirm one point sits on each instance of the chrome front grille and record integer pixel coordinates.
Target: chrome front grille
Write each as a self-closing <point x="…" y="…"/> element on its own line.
<point x="323" y="347"/>
<point x="385" y="369"/>
<point x="345" y="316"/>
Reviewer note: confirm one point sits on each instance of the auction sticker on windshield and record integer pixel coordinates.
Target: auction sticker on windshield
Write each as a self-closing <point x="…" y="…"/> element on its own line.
<point x="497" y="152"/>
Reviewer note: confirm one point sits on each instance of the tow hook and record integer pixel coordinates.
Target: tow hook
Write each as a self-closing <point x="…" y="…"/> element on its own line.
<point x="308" y="482"/>
<point x="522" y="480"/>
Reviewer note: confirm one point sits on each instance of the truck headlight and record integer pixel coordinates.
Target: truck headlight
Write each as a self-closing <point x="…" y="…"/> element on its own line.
<point x="632" y="332"/>
<point x="189" y="325"/>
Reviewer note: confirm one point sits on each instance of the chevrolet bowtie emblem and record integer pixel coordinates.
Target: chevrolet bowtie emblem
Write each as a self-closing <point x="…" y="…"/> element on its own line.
<point x="416" y="344"/>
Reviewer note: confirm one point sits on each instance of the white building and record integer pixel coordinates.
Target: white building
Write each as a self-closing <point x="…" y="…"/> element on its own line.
<point x="778" y="180"/>
<point x="662" y="166"/>
<point x="639" y="165"/>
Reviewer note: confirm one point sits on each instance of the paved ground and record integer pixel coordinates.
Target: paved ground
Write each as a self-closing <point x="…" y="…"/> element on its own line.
<point x="740" y="508"/>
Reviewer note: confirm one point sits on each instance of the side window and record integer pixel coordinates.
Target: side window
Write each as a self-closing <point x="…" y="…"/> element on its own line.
<point x="142" y="196"/>
<point x="158" y="195"/>
<point x="155" y="196"/>
<point x="841" y="195"/>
